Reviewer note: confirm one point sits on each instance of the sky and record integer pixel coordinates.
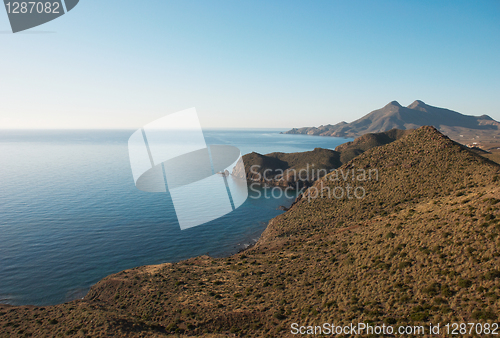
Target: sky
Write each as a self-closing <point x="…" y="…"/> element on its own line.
<point x="121" y="64"/>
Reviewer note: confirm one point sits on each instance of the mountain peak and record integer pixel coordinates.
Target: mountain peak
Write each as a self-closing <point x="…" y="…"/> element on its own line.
<point x="417" y="114"/>
<point x="393" y="103"/>
<point x="417" y="103"/>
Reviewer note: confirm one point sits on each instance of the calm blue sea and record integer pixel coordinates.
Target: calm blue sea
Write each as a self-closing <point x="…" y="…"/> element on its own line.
<point x="70" y="213"/>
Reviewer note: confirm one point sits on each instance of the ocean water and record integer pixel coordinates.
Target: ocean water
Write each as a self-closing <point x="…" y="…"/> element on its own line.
<point x="70" y="213"/>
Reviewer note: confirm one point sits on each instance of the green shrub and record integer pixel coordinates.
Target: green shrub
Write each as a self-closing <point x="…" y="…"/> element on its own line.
<point x="404" y="299"/>
<point x="432" y="290"/>
<point x="186" y="312"/>
<point x="419" y="316"/>
<point x="490" y="275"/>
<point x="489" y="217"/>
<point x="390" y="321"/>
<point x="464" y="283"/>
<point x="484" y="314"/>
<point x="172" y="326"/>
<point x="404" y="264"/>
<point x="279" y="315"/>
<point x="446" y="291"/>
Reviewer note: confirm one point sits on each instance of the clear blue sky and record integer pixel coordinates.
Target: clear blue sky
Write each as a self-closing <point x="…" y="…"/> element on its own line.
<point x="122" y="64"/>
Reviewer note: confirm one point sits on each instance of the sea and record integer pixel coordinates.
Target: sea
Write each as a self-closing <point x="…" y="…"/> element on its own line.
<point x="70" y="213"/>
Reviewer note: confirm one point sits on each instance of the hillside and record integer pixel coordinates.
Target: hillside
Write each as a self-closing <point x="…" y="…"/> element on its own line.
<point x="363" y="143"/>
<point x="494" y="155"/>
<point x="421" y="246"/>
<point x="459" y="127"/>
<point x="283" y="169"/>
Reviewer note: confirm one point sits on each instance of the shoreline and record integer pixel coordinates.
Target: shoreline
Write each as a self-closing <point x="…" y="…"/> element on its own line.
<point x="238" y="248"/>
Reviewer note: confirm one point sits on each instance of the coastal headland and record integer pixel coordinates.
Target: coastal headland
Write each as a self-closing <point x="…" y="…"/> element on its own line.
<point x="421" y="246"/>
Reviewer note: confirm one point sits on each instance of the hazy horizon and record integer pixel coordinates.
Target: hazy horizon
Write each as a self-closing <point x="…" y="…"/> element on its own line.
<point x="278" y="128"/>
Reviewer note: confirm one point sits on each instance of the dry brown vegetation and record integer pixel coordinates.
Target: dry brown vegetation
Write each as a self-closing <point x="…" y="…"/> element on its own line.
<point x="494" y="155"/>
<point x="422" y="246"/>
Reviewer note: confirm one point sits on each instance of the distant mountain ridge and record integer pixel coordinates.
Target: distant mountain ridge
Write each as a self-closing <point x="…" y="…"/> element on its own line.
<point x="417" y="114"/>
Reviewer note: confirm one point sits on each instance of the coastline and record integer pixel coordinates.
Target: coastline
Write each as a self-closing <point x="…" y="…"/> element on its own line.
<point x="72" y="238"/>
<point x="238" y="248"/>
<point x="318" y="261"/>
